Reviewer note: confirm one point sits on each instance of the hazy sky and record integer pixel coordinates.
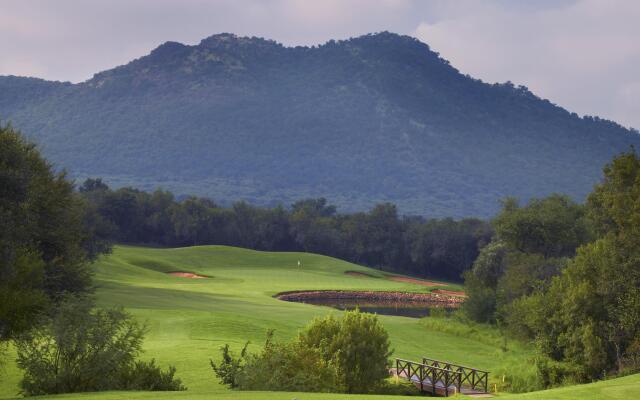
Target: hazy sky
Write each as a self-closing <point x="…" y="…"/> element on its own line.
<point x="581" y="54"/>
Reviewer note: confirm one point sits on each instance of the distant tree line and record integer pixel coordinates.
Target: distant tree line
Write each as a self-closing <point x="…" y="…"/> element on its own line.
<point x="380" y="238"/>
<point x="567" y="276"/>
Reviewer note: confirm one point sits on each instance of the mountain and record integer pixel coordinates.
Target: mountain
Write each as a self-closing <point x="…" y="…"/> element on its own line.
<point x="375" y="118"/>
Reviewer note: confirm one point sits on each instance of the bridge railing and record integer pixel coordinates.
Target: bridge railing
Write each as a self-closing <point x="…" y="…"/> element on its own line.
<point x="474" y="378"/>
<point x="434" y="374"/>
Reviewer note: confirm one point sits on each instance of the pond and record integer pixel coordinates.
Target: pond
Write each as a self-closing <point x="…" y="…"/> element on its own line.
<point x="380" y="307"/>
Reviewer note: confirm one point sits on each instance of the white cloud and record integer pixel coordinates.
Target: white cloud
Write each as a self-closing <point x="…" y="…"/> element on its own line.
<point x="583" y="55"/>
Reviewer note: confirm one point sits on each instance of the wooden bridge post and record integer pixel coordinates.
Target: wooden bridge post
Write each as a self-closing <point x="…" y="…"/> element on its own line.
<point x="433" y="380"/>
<point x="486" y="382"/>
<point x="446" y="383"/>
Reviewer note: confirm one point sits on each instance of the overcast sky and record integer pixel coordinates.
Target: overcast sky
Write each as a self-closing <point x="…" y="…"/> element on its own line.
<point x="581" y="54"/>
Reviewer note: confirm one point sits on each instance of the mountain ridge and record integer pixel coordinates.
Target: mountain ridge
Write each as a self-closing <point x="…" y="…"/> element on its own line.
<point x="376" y="118"/>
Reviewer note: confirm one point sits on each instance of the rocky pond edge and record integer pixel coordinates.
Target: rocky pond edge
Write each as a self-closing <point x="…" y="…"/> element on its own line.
<point x="382" y="296"/>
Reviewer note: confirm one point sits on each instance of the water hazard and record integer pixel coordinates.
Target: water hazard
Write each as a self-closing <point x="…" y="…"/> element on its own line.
<point x="404" y="304"/>
<point x="411" y="310"/>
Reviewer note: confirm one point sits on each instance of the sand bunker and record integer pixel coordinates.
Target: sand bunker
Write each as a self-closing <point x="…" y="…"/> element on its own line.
<point x="426" y="298"/>
<point x="187" y="275"/>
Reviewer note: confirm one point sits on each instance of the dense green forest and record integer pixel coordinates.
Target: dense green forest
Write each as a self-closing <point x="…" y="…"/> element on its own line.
<point x="374" y="119"/>
<point x="380" y="238"/>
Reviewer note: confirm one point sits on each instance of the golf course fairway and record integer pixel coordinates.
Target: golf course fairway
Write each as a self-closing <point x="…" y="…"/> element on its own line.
<point x="189" y="319"/>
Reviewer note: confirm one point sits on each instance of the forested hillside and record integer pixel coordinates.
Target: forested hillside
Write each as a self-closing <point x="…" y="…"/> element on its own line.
<point x="367" y="120"/>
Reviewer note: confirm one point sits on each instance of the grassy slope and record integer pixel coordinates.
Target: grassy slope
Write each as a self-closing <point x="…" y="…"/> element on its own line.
<point x="622" y="388"/>
<point x="190" y="318"/>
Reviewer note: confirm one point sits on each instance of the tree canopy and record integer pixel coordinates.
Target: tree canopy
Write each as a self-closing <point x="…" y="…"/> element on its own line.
<point x="44" y="243"/>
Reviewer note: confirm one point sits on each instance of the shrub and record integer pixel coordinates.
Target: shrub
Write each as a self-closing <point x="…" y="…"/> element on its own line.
<point x="398" y="387"/>
<point x="81" y="350"/>
<point x="146" y="375"/>
<point x="357" y="344"/>
<point x="230" y="368"/>
<point x="555" y="373"/>
<point x="330" y="355"/>
<point x="289" y="367"/>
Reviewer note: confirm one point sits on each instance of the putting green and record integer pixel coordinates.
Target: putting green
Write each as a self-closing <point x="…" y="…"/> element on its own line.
<point x="189" y="319"/>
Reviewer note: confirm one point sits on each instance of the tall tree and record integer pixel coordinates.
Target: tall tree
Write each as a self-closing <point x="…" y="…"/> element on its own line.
<point x="42" y="241"/>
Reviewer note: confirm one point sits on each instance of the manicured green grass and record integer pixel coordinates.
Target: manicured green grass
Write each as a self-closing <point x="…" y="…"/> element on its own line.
<point x="189" y="319"/>
<point x="626" y="388"/>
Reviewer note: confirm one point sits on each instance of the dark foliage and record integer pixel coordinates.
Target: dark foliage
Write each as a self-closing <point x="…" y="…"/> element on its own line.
<point x="379" y="238"/>
<point x="146" y="375"/>
<point x="361" y="121"/>
<point x="46" y="236"/>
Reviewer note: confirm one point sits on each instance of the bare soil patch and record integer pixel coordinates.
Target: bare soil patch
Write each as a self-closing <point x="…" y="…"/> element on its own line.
<point x="399" y="297"/>
<point x="415" y="281"/>
<point x="183" y="274"/>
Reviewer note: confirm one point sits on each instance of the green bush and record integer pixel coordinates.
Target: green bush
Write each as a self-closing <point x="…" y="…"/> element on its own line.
<point x="398" y="387"/>
<point x="555" y="373"/>
<point x="349" y="354"/>
<point x="290" y="367"/>
<point x="230" y="368"/>
<point x="80" y="349"/>
<point x="357" y="344"/>
<point x="146" y="375"/>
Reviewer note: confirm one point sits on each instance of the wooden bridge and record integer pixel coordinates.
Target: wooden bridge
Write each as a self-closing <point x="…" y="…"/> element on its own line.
<point x="443" y="378"/>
